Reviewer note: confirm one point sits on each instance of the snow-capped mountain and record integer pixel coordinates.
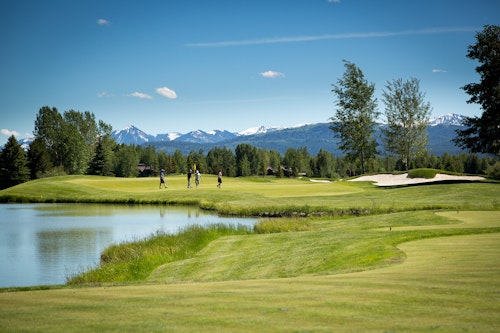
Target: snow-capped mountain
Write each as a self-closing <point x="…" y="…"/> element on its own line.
<point x="25" y="142"/>
<point x="200" y="136"/>
<point x="258" y="130"/>
<point x="450" y="119"/>
<point x="168" y="136"/>
<point x="131" y="135"/>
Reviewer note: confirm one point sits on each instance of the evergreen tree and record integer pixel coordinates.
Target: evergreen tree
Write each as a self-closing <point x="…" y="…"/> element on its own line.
<point x="38" y="159"/>
<point x="247" y="160"/>
<point x="179" y="162"/>
<point x="13" y="164"/>
<point x="482" y="134"/>
<point x="325" y="164"/>
<point x="102" y="163"/>
<point x="125" y="161"/>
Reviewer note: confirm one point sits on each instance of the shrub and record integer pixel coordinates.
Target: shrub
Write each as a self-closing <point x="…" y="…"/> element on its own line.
<point x="493" y="171"/>
<point x="282" y="225"/>
<point x="422" y="173"/>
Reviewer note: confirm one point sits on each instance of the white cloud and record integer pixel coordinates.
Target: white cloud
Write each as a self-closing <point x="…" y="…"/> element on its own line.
<point x="334" y="1"/>
<point x="272" y="74"/>
<point x="168" y="93"/>
<point x="436" y="70"/>
<point x="103" y="22"/>
<point x="7" y="132"/>
<point x="373" y="34"/>
<point x="104" y="94"/>
<point x="140" y="95"/>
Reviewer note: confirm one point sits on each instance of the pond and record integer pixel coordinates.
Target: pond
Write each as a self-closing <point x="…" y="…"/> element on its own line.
<point x="43" y="244"/>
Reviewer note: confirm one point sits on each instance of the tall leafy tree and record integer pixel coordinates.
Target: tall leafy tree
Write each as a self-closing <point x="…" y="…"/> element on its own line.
<point x="125" y="160"/>
<point x="247" y="159"/>
<point x="221" y="159"/>
<point x="324" y="164"/>
<point x="74" y="150"/>
<point x="407" y="115"/>
<point x="49" y="127"/>
<point x="84" y="123"/>
<point x="274" y="160"/>
<point x="196" y="159"/>
<point x="179" y="162"/>
<point x="354" y="119"/>
<point x="482" y="134"/>
<point x="13" y="164"/>
<point x="71" y="138"/>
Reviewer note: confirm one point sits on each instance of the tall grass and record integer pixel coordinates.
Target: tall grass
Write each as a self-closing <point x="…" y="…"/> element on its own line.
<point x="134" y="261"/>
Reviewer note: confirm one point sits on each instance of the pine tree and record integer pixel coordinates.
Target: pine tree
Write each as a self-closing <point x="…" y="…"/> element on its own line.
<point x="13" y="164"/>
<point x="482" y="134"/>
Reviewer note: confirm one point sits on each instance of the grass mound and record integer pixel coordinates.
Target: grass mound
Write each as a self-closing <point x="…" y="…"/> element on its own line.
<point x="134" y="261"/>
<point x="423" y="173"/>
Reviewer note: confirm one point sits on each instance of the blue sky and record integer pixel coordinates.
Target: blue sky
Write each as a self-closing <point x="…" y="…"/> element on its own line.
<point x="181" y="65"/>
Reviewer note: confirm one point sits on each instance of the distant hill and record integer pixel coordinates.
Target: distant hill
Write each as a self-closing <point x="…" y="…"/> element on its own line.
<point x="314" y="137"/>
<point x="441" y="131"/>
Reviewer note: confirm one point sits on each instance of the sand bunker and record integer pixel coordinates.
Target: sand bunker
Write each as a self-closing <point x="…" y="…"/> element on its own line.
<point x="402" y="179"/>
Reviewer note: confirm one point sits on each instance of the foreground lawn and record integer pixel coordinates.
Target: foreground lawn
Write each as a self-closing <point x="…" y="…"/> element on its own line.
<point x="366" y="259"/>
<point x="445" y="284"/>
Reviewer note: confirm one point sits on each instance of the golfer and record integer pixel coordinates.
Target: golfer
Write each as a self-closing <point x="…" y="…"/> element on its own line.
<point x="162" y="178"/>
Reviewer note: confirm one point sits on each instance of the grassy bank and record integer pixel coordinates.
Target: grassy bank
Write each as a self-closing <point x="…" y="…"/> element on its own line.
<point x="134" y="261"/>
<point x="444" y="284"/>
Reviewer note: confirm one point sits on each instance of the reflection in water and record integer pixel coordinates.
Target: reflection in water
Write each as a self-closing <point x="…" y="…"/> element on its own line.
<point x="72" y="246"/>
<point x="45" y="243"/>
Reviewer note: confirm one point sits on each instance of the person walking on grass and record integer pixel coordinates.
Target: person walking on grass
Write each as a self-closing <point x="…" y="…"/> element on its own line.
<point x="162" y="178"/>
<point x="190" y="172"/>
<point x="197" y="177"/>
<point x="219" y="179"/>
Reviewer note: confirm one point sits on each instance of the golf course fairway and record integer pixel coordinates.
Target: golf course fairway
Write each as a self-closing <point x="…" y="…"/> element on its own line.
<point x="420" y="259"/>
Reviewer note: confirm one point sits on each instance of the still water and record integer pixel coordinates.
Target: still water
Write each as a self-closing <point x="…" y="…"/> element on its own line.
<point x="43" y="244"/>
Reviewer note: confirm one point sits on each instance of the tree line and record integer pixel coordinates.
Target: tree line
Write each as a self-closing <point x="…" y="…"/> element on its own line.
<point x="76" y="143"/>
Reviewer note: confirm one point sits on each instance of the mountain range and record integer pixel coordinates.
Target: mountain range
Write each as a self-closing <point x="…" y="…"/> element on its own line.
<point x="441" y="131"/>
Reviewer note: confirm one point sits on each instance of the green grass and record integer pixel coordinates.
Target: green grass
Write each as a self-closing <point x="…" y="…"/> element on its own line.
<point x="445" y="284"/>
<point x="423" y="173"/>
<point x="134" y="261"/>
<point x="269" y="197"/>
<point x="365" y="259"/>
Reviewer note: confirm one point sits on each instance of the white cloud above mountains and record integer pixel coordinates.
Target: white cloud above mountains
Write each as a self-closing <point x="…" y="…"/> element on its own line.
<point x="102" y="21"/>
<point x="140" y="95"/>
<point x="163" y="91"/>
<point x="166" y="92"/>
<point x="272" y="74"/>
<point x="7" y="132"/>
<point x="105" y="94"/>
